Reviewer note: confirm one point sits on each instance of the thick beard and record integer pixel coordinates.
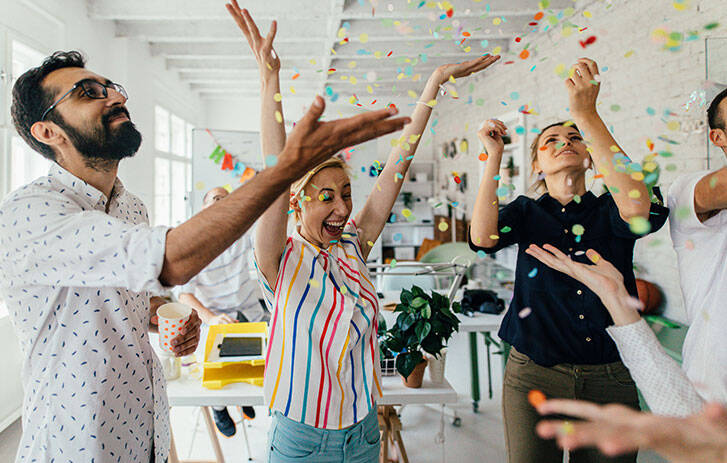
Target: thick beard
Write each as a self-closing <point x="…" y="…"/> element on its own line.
<point x="102" y="147"/>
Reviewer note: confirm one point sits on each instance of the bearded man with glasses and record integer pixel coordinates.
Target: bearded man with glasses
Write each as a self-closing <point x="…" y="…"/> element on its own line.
<point x="80" y="264"/>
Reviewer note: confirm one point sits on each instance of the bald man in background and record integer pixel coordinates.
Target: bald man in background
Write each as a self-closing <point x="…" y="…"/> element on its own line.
<point x="224" y="292"/>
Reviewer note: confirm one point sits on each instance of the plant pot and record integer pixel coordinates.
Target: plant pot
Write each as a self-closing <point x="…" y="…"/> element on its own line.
<point x="436" y="367"/>
<point x="414" y="380"/>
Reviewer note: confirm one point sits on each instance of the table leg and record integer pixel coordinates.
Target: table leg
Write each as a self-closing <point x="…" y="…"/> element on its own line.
<point x="474" y="372"/>
<point x="213" y="435"/>
<point x="489" y="367"/>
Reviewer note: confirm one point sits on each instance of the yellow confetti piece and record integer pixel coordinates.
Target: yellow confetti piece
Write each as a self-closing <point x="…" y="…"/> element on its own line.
<point x="566" y="31"/>
<point x="363" y="38"/>
<point x="343" y="290"/>
<point x="494" y="237"/>
<point x="639" y="225"/>
<point x="614" y="148"/>
<point x="314" y="283"/>
<point x="578" y="229"/>
<point x="496" y="50"/>
<point x="443" y="226"/>
<point x="378" y="54"/>
<point x="351" y="64"/>
<point x="369" y="89"/>
<point x="463" y="146"/>
<point x="413" y="138"/>
<point x="496" y="21"/>
<point x="587" y="14"/>
<point x="292" y="90"/>
<point x="467" y="49"/>
<point x="594" y="257"/>
<point x="412" y="93"/>
<point x="634" y="194"/>
<point x="312" y="61"/>
<point x="405" y="212"/>
<point x="628" y="54"/>
<point x="353" y="80"/>
<point x="680" y="6"/>
<point x="278" y="117"/>
<point x="673" y="125"/>
<point x="451" y="79"/>
<point x="638" y="176"/>
<point x="431" y="103"/>
<point x="278" y="97"/>
<point x="228" y="187"/>
<point x="199" y="186"/>
<point x="352" y="100"/>
<point x="370" y="243"/>
<point x="306" y="198"/>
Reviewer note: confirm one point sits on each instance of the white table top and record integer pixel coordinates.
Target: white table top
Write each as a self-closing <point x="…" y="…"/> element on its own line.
<point x="190" y="392"/>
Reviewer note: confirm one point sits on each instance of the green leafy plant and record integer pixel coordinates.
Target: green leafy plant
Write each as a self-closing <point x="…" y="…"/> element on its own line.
<point x="425" y="323"/>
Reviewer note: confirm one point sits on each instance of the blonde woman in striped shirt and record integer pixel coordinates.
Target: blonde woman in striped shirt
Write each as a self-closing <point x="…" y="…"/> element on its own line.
<point x="322" y="377"/>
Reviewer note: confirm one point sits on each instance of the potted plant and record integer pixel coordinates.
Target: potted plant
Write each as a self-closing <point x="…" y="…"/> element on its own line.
<point x="424" y="324"/>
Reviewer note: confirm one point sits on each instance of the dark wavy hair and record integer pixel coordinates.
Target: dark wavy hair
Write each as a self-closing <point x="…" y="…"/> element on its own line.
<point x="30" y="98"/>
<point x="715" y="119"/>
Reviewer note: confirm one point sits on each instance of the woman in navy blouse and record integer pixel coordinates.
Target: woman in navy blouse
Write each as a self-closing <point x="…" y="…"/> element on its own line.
<point x="555" y="324"/>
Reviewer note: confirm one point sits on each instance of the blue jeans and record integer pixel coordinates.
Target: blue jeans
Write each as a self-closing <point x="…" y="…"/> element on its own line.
<point x="291" y="441"/>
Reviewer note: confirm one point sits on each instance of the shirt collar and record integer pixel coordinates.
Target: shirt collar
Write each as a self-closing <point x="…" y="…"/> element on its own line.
<point x="318" y="250"/>
<point x="552" y="204"/>
<point x="89" y="194"/>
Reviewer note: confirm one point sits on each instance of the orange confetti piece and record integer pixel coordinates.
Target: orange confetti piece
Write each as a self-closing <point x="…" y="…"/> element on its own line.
<point x="598" y="176"/>
<point x="543" y="148"/>
<point x="538" y="16"/>
<point x="536" y="398"/>
<point x="483" y="156"/>
<point x="466" y="34"/>
<point x="524" y="54"/>
<point x="295" y="76"/>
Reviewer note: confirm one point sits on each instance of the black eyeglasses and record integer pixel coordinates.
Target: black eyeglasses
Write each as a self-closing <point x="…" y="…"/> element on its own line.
<point x="92" y="89"/>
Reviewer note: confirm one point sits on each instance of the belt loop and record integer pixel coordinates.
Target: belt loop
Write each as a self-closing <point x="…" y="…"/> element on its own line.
<point x="324" y="441"/>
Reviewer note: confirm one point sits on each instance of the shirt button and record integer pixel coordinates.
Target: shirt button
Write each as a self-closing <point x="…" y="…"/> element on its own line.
<point x="588" y="339"/>
<point x="581" y="316"/>
<point x="579" y="292"/>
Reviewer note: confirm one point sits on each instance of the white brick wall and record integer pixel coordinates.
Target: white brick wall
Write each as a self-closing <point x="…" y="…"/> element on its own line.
<point x="650" y="77"/>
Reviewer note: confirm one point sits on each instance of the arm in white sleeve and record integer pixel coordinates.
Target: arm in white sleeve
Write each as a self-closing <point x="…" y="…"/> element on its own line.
<point x="662" y="382"/>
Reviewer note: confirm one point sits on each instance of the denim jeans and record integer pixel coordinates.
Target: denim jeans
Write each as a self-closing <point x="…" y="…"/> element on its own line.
<point x="291" y="441"/>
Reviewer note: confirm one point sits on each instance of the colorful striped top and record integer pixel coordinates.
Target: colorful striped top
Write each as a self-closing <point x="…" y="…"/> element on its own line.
<point x="322" y="364"/>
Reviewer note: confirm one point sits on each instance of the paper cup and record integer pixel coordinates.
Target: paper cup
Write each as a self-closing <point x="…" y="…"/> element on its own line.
<point x="172" y="317"/>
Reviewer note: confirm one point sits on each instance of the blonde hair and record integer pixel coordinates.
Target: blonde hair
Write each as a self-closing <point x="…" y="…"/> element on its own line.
<point x="297" y="187"/>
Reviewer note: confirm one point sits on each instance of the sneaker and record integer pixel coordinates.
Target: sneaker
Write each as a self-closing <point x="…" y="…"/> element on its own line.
<point x="224" y="422"/>
<point x="248" y="413"/>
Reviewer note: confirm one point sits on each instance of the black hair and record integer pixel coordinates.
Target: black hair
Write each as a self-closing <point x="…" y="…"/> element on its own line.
<point x="31" y="98"/>
<point x="715" y="119"/>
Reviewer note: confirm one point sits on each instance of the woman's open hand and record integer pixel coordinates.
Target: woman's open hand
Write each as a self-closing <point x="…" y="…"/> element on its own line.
<point x="267" y="60"/>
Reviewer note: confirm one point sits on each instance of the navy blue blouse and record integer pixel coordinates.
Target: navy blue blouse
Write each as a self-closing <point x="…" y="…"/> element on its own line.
<point x="566" y="321"/>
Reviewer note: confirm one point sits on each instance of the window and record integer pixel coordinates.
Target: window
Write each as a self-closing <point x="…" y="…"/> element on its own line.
<point x="172" y="167"/>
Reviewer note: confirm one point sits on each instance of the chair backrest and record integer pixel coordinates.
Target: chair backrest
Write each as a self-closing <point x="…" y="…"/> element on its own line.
<point x="448" y="251"/>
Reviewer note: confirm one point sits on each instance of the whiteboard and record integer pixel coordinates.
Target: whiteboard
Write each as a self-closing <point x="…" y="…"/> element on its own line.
<point x="206" y="174"/>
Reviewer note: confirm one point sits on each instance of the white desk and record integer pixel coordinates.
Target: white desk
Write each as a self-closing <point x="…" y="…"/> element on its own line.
<point x="189" y="392"/>
<point x="186" y="392"/>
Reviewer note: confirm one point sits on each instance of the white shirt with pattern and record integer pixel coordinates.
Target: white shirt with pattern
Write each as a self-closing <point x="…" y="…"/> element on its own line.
<point x="77" y="282"/>
<point x="225" y="285"/>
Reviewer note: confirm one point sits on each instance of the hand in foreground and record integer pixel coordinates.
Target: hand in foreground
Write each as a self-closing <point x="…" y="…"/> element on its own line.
<point x="617" y="429"/>
<point x="490" y="134"/>
<point x="583" y="86"/>
<point x="602" y="278"/>
<point x="186" y="342"/>
<point x="313" y="141"/>
<point x="267" y="60"/>
<point x="443" y="72"/>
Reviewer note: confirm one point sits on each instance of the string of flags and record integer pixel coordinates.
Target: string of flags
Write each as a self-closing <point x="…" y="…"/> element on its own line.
<point x="230" y="162"/>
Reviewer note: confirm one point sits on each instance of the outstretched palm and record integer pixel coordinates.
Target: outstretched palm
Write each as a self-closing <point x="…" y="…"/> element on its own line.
<point x="267" y="60"/>
<point x="464" y="69"/>
<point x="602" y="277"/>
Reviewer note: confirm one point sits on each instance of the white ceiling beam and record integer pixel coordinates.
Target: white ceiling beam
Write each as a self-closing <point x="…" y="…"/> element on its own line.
<point x="209" y="31"/>
<point x="332" y="28"/>
<point x="132" y="10"/>
<point x="239" y="48"/>
<point x="182" y="65"/>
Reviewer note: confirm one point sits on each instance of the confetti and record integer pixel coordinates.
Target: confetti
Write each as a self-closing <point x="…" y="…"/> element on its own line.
<point x="481" y="254"/>
<point x="533" y="273"/>
<point x="525" y="312"/>
<point x="443" y="226"/>
<point x="393" y="263"/>
<point x="278" y="117"/>
<point x="278" y="97"/>
<point x="578" y="229"/>
<point x="199" y="186"/>
<point x="271" y="160"/>
<point x="314" y="283"/>
<point x="536" y="398"/>
<point x="639" y="225"/>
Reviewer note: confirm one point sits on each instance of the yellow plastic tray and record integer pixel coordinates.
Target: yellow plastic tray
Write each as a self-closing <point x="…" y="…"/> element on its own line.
<point x="216" y="375"/>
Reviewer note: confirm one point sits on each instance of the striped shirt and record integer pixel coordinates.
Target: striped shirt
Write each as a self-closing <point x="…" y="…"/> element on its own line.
<point x="225" y="286"/>
<point x="322" y="363"/>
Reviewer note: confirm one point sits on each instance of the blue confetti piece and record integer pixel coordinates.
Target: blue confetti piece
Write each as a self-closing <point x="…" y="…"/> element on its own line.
<point x="514" y="95"/>
<point x="481" y="254"/>
<point x="533" y="273"/>
<point x="484" y="43"/>
<point x="271" y="160"/>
